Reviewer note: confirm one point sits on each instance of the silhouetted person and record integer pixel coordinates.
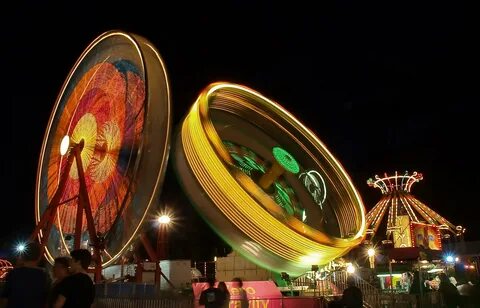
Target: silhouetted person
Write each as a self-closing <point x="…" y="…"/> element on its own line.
<point x="222" y="286"/>
<point x="242" y="294"/>
<point x="352" y="296"/>
<point x="475" y="292"/>
<point x="77" y="290"/>
<point x="61" y="269"/>
<point x="212" y="297"/>
<point x="465" y="289"/>
<point x="27" y="286"/>
<point x="418" y="287"/>
<point x="450" y="294"/>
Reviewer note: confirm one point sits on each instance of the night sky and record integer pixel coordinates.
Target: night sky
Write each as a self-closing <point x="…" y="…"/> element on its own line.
<point x="385" y="87"/>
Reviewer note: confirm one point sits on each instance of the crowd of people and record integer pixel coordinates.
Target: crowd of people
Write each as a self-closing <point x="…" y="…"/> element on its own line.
<point x="446" y="291"/>
<point x="30" y="286"/>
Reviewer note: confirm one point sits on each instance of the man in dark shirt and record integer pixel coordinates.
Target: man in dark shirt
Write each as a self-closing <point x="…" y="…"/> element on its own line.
<point x="77" y="290"/>
<point x="352" y="295"/>
<point x="212" y="297"/>
<point x="27" y="286"/>
<point x="61" y="270"/>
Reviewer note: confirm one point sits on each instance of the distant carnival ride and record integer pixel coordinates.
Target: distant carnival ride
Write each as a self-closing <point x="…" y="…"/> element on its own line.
<point x="408" y="221"/>
<point x="5" y="267"/>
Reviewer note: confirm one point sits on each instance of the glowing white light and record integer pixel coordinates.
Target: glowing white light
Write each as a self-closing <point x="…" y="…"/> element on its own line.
<point x="252" y="247"/>
<point x="64" y="145"/>
<point x="435" y="270"/>
<point x="456" y="259"/>
<point x="313" y="258"/>
<point x="314" y="183"/>
<point x="20" y="248"/>
<point x="388" y="275"/>
<point x="164" y="219"/>
<point x="449" y="259"/>
<point x="371" y="252"/>
<point x="350" y="269"/>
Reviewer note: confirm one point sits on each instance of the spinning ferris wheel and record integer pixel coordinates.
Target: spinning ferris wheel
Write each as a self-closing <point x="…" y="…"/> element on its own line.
<point x="105" y="149"/>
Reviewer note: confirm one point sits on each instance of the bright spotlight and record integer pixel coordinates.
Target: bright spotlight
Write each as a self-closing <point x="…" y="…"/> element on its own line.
<point x="371" y="252"/>
<point x="350" y="269"/>
<point x="449" y="259"/>
<point x="164" y="219"/>
<point x="20" y="248"/>
<point x="64" y="145"/>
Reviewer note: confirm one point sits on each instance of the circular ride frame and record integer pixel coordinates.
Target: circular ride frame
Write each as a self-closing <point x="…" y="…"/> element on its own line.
<point x="147" y="155"/>
<point x="237" y="208"/>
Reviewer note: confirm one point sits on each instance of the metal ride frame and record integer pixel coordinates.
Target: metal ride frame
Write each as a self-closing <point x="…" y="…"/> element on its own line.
<point x="44" y="226"/>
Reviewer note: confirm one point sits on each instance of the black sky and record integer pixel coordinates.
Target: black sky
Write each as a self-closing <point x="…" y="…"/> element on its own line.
<point x="385" y="87"/>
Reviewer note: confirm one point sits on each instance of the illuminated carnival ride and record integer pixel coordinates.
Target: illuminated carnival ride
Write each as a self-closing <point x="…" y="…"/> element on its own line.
<point x="264" y="182"/>
<point x="5" y="267"/>
<point x="105" y="149"/>
<point x="409" y="222"/>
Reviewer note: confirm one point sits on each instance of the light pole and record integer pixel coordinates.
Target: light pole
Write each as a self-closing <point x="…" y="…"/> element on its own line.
<point x="164" y="221"/>
<point x="371" y="256"/>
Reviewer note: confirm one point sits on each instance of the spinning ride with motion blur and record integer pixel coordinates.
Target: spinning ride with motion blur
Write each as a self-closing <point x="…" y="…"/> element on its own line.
<point x="262" y="180"/>
<point x="265" y="183"/>
<point x="104" y="155"/>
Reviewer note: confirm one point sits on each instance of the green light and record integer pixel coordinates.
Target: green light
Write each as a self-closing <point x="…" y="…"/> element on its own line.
<point x="245" y="160"/>
<point x="247" y="164"/>
<point x="286" y="160"/>
<point x="282" y="198"/>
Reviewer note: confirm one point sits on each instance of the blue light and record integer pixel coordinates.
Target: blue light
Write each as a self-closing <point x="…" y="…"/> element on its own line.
<point x="449" y="259"/>
<point x="20" y="248"/>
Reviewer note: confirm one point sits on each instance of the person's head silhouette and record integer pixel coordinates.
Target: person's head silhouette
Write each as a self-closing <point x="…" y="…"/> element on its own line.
<point x="237" y="282"/>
